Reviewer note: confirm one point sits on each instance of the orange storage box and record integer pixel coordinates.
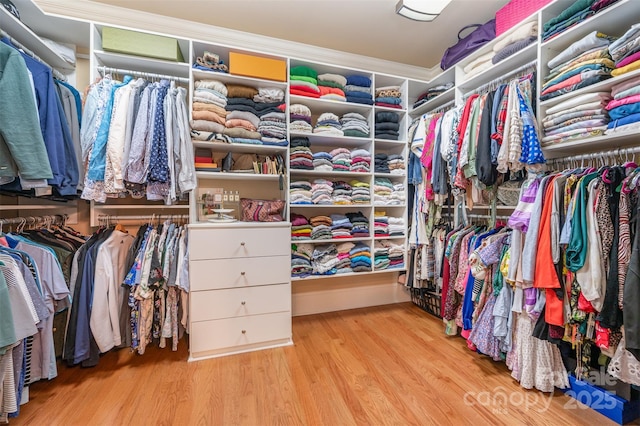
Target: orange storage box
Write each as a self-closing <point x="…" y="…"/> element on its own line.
<point x="257" y="67"/>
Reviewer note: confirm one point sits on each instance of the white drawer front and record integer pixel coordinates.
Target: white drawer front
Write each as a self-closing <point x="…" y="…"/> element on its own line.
<point x="236" y="302"/>
<point x="232" y="243"/>
<point x="233" y="332"/>
<point x="243" y="272"/>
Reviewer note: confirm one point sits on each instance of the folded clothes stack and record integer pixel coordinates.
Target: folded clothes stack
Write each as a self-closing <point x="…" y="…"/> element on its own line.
<point x="515" y="41"/>
<point x="626" y="51"/>
<point x="273" y="124"/>
<point x="360" y="256"/>
<point x="300" y="227"/>
<point x="360" y="161"/>
<point x="328" y="124"/>
<point x="586" y="62"/>
<point x="381" y="224"/>
<point x="208" y="115"/>
<point x="432" y="93"/>
<point x="396" y="253"/>
<point x="303" y="81"/>
<point x="322" y="161"/>
<point x="478" y="65"/>
<point x="387" y="125"/>
<point x="301" y="260"/>
<point x="321" y="191"/>
<point x="344" y="260"/>
<point x="577" y="12"/>
<point x="300" y="118"/>
<point x="396" y="226"/>
<point x="389" y="96"/>
<point x="624" y="109"/>
<point x="341" y="226"/>
<point x="300" y="192"/>
<point x="381" y="163"/>
<point x="360" y="192"/>
<point x="321" y="227"/>
<point x="380" y="256"/>
<point x="360" y="224"/>
<point x="358" y="89"/>
<point x="300" y="155"/>
<point x="398" y="196"/>
<point x="382" y="190"/>
<point x="396" y="164"/>
<point x="576" y="118"/>
<point x="332" y="87"/>
<point x="342" y="193"/>
<point x="341" y="159"/>
<point x="325" y="259"/>
<point x="355" y="125"/>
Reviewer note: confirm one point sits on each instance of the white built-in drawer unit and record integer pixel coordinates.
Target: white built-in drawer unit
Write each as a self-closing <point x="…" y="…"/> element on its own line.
<point x="240" y="282"/>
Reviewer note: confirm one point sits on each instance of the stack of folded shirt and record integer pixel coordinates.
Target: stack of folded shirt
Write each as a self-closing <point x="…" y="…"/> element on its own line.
<point x="523" y="36"/>
<point x="300" y="118"/>
<point x="242" y="115"/>
<point x="396" y="226"/>
<point x="332" y="94"/>
<point x="360" y="256"/>
<point x="342" y="193"/>
<point x="576" y="118"/>
<point x="380" y="256"/>
<point x="300" y="156"/>
<point x="273" y="128"/>
<point x="300" y="227"/>
<point x="360" y="192"/>
<point x="626" y="51"/>
<point x="300" y="192"/>
<point x="396" y="164"/>
<point x="341" y="226"/>
<point x="341" y="159"/>
<point x="344" y="259"/>
<point x="380" y="225"/>
<point x="624" y="109"/>
<point x="396" y="254"/>
<point x="389" y="96"/>
<point x="360" y="161"/>
<point x="387" y="125"/>
<point x="321" y="191"/>
<point x="209" y="102"/>
<point x="328" y="124"/>
<point x="382" y="190"/>
<point x="336" y="81"/>
<point x="478" y="65"/>
<point x="381" y="163"/>
<point x="358" y="89"/>
<point x="398" y="196"/>
<point x="325" y="259"/>
<point x="303" y="81"/>
<point x="577" y="12"/>
<point x="301" y="260"/>
<point x="585" y="62"/>
<point x="432" y="93"/>
<point x="360" y="224"/>
<point x="322" y="161"/>
<point x="355" y="125"/>
<point x="321" y="227"/>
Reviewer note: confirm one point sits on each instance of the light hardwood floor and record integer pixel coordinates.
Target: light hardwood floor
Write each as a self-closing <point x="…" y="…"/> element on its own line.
<point x="375" y="366"/>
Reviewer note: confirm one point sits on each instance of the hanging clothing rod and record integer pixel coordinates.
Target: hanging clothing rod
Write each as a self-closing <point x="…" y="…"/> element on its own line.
<point x="146" y="218"/>
<point x="57" y="74"/>
<point x="503" y="78"/>
<point x="597" y="155"/>
<point x="31" y="220"/>
<point x="486" y="216"/>
<point x="109" y="70"/>
<point x="444" y="107"/>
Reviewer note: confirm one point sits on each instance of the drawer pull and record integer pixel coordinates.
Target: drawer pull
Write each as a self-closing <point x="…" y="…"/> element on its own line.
<point x="244" y="331"/>
<point x="242" y="243"/>
<point x="243" y="303"/>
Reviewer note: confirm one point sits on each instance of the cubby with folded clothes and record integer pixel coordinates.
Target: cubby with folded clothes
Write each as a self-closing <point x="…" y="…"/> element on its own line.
<point x="235" y="113"/>
<point x="432" y="93"/>
<point x="388" y="226"/>
<point x="575" y="13"/>
<point x="300" y="155"/>
<point x="329" y="259"/>
<point x="303" y="81"/>
<point x="585" y="62"/>
<point x="578" y="117"/>
<point x="327" y="192"/>
<point x="358" y="89"/>
<point x="389" y="163"/>
<point x="387" y="125"/>
<point x="300" y="118"/>
<point x="387" y="193"/>
<point x="389" y="97"/>
<point x="388" y="254"/>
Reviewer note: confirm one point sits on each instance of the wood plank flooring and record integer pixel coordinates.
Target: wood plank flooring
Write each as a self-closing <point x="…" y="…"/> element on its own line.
<point x="389" y="365"/>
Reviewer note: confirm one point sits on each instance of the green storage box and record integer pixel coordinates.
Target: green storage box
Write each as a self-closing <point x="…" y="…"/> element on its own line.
<point x="141" y="44"/>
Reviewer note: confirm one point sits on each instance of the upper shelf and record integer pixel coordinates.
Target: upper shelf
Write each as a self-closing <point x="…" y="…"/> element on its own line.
<point x="138" y="63"/>
<point x="237" y="79"/>
<point x="32" y="41"/>
<point x="592" y="144"/>
<point x="615" y="20"/>
<point x="318" y="139"/>
<point x="438" y="101"/>
<point x="239" y="147"/>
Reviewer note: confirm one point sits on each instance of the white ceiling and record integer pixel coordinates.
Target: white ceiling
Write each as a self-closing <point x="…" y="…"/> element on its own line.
<point x="365" y="27"/>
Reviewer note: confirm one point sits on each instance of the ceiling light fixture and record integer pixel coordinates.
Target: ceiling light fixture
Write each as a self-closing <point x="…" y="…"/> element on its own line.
<point x="421" y="10"/>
